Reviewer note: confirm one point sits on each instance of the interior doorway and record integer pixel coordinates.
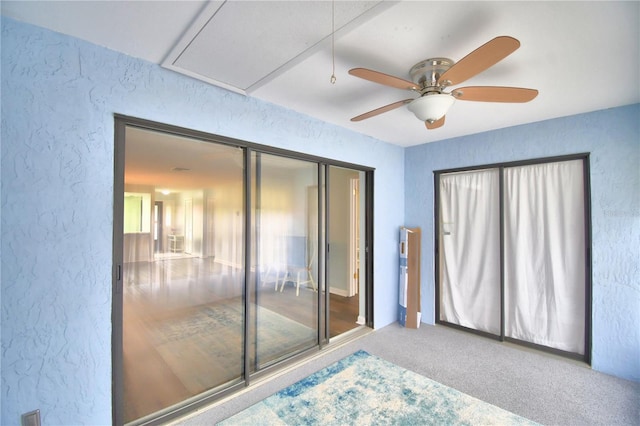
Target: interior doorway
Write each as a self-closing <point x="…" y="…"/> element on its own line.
<point x="345" y="227"/>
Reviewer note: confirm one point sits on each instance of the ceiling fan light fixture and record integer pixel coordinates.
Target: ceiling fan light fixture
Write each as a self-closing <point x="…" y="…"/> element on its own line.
<point x="431" y="107"/>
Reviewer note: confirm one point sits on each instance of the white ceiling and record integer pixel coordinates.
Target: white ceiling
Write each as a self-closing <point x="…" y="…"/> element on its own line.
<point x="581" y="56"/>
<point x="176" y="163"/>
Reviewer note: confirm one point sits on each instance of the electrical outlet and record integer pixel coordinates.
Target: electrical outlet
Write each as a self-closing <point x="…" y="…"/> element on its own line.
<point x="32" y="418"/>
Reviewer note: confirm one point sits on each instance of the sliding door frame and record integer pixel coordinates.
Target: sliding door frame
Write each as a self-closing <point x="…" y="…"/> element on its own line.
<point x="368" y="249"/>
<point x="121" y="123"/>
<point x="117" y="303"/>
<point x="587" y="254"/>
<point x="324" y="335"/>
<point x="248" y="285"/>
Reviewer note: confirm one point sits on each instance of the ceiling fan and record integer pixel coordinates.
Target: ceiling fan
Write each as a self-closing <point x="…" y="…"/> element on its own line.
<point x="431" y="77"/>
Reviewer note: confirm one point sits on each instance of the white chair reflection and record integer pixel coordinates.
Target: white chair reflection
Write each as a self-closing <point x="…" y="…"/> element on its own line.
<point x="300" y="275"/>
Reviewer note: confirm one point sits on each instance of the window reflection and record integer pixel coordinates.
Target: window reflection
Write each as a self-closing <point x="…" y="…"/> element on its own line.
<point x="183" y="311"/>
<point x="285" y="236"/>
<point x="188" y="301"/>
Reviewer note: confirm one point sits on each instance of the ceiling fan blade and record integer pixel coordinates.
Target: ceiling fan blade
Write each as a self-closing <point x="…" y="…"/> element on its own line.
<point x="381" y="110"/>
<point x="479" y="60"/>
<point x="382" y="78"/>
<point x="494" y="94"/>
<point x="435" y="124"/>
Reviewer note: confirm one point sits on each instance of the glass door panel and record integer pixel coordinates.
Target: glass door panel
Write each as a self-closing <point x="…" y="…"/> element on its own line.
<point x="284" y="299"/>
<point x="183" y="306"/>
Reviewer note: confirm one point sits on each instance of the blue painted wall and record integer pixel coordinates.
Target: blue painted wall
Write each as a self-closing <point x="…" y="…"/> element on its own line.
<point x="613" y="139"/>
<point x="59" y="95"/>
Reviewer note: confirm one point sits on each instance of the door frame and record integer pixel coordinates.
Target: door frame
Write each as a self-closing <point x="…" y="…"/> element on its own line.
<point x="587" y="252"/>
<point x="354" y="232"/>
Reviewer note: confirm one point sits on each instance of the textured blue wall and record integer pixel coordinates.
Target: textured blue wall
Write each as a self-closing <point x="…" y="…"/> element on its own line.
<point x="59" y="95"/>
<point x="613" y="139"/>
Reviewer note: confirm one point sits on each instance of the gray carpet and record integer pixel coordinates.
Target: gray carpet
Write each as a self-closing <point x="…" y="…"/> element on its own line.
<point x="541" y="387"/>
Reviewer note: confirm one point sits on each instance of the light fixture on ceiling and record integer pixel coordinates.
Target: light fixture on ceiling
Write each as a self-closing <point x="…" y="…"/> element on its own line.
<point x="165" y="192"/>
<point x="431" y="107"/>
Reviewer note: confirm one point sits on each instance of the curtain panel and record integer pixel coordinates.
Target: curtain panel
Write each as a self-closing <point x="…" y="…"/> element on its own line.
<point x="469" y="238"/>
<point x="544" y="255"/>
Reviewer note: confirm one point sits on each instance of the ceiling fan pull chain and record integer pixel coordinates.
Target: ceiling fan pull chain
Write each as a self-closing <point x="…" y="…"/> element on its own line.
<point x="333" y="51"/>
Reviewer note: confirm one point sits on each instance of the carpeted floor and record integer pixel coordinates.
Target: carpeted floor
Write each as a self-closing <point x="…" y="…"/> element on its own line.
<point x="541" y="387"/>
<point x="363" y="389"/>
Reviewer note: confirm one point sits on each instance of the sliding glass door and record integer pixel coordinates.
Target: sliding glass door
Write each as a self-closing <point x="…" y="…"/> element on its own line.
<point x="513" y="253"/>
<point x="545" y="253"/>
<point x="221" y="258"/>
<point x="283" y="305"/>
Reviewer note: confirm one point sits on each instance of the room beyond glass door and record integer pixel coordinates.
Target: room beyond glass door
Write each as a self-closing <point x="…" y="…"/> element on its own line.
<point x="220" y="262"/>
<point x="347" y="242"/>
<point x="183" y="305"/>
<point x="283" y="304"/>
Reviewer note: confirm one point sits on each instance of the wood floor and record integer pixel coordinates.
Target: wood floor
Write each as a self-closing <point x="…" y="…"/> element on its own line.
<point x="161" y="292"/>
<point x="343" y="314"/>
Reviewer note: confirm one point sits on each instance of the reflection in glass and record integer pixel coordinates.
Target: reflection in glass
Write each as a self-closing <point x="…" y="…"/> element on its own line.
<point x="183" y="308"/>
<point x="186" y="305"/>
<point x="284" y="304"/>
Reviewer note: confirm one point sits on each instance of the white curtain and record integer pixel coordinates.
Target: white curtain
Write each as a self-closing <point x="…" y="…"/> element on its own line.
<point x="470" y="250"/>
<point x="545" y="254"/>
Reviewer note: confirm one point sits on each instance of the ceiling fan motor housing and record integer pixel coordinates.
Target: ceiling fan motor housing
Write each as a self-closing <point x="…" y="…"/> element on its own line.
<point x="426" y="73"/>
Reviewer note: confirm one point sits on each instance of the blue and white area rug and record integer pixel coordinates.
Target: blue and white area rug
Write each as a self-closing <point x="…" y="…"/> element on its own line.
<point x="363" y="389"/>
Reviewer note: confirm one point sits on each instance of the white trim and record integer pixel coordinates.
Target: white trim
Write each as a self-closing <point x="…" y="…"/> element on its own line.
<point x="353" y="236"/>
<point x="339" y="291"/>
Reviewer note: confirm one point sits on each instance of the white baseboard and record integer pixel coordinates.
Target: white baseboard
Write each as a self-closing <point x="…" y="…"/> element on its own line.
<point x="339" y="292"/>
